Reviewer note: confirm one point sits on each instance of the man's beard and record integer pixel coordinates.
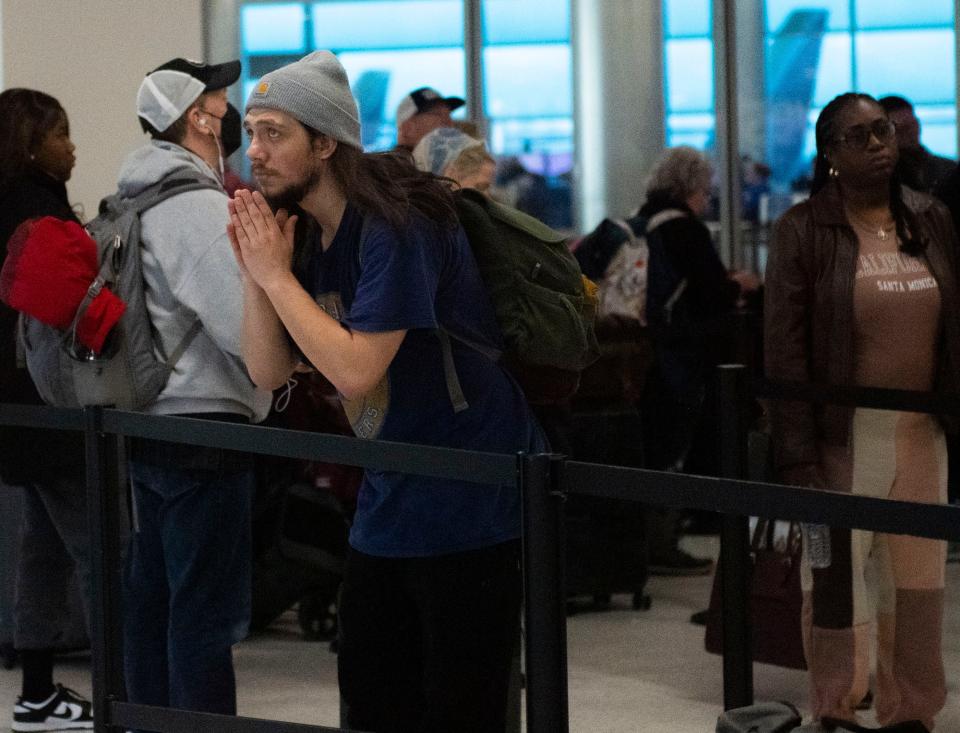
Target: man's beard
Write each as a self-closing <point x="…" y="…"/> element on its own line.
<point x="292" y="195"/>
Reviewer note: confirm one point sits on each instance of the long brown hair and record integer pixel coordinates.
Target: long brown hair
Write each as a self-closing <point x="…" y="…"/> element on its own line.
<point x="912" y="240"/>
<point x="390" y="185"/>
<point x="26" y="116"/>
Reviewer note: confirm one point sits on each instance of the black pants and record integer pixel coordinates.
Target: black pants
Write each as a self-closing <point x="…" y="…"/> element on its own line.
<point x="426" y="643"/>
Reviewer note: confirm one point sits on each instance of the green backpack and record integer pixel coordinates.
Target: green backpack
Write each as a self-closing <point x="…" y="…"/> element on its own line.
<point x="544" y="305"/>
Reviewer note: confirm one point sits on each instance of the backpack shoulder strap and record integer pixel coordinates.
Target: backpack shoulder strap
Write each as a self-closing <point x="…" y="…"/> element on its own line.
<point x="656" y="221"/>
<point x="628" y="230"/>
<point x="454" y="389"/>
<point x="168" y="188"/>
<point x="21" y="345"/>
<point x="663" y="217"/>
<point x="450" y="376"/>
<point x="173" y="185"/>
<point x="479" y="205"/>
<point x="171" y="361"/>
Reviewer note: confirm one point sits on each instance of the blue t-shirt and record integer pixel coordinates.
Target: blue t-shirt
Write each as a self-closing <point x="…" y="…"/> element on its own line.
<point x="416" y="280"/>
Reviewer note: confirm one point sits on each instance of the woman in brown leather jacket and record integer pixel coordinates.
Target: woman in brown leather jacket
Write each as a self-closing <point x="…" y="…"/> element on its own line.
<point x="860" y="290"/>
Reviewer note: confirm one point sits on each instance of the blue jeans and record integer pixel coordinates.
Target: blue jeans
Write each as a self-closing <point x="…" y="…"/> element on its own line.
<point x="187" y="579"/>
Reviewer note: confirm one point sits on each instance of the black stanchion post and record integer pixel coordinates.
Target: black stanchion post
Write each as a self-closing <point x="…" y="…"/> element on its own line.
<point x="733" y="396"/>
<point x="103" y="512"/>
<point x="544" y="597"/>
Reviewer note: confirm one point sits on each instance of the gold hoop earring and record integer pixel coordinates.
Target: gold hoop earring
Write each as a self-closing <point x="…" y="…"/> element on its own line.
<point x="834" y="173"/>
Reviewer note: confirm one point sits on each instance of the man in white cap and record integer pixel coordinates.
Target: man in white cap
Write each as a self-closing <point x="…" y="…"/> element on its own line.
<point x="422" y="111"/>
<point x="188" y="568"/>
<point x="429" y="608"/>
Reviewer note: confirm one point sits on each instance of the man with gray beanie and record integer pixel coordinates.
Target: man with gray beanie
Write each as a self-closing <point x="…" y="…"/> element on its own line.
<point x="429" y="609"/>
<point x="188" y="569"/>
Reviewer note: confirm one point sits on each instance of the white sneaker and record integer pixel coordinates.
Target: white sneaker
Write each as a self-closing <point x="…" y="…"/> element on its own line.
<point x="63" y="710"/>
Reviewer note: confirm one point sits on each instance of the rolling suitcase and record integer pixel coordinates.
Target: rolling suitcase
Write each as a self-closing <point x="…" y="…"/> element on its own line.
<point x="300" y="560"/>
<point x="301" y="518"/>
<point x="606" y="539"/>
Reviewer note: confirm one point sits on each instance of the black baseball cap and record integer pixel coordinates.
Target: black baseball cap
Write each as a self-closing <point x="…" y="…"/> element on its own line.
<point x="422" y="99"/>
<point x="213" y="76"/>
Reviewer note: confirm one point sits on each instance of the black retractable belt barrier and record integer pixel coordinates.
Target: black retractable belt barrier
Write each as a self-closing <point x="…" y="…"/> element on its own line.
<point x="103" y="518"/>
<point x="544" y="481"/>
<point x="544" y="596"/>
<point x="148" y="718"/>
<point x="934" y="403"/>
<point x="732" y="396"/>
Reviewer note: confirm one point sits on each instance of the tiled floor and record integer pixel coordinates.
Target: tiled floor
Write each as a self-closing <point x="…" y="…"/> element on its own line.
<point x="629" y="670"/>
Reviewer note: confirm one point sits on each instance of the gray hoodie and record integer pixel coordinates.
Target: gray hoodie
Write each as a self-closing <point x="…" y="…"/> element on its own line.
<point x="190" y="273"/>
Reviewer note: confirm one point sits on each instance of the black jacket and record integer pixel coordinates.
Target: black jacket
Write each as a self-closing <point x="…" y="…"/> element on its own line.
<point x="688" y="244"/>
<point x="30" y="455"/>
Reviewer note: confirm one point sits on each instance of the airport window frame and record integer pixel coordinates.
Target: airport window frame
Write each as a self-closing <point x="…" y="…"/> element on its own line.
<point x="687" y="125"/>
<point x="472" y="42"/>
<point x="537" y="134"/>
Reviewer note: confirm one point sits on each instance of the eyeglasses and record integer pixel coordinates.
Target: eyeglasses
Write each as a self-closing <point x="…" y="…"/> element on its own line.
<point x="858" y="136"/>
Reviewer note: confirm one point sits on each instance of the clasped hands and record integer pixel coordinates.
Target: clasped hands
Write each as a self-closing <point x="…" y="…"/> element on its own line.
<point x="262" y="241"/>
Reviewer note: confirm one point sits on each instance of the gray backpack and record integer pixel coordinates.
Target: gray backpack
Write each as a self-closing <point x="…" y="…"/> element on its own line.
<point x="131" y="370"/>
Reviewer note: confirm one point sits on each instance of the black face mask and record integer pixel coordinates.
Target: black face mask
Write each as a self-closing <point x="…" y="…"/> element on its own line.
<point x="230" y="130"/>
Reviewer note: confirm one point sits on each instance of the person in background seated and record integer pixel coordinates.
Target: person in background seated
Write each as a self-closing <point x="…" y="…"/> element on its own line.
<point x="36" y="161"/>
<point x="917" y="167"/>
<point x="861" y="291"/>
<point x="453" y="154"/>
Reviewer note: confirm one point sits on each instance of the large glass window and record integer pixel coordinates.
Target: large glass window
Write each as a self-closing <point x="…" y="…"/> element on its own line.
<point x="528" y="93"/>
<point x="814" y="50"/>
<point x="817" y="49"/>
<point x="528" y="100"/>
<point x="388" y="48"/>
<point x="688" y="51"/>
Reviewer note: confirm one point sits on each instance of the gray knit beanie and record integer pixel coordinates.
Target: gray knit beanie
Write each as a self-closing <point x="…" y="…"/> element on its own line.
<point x="314" y="90"/>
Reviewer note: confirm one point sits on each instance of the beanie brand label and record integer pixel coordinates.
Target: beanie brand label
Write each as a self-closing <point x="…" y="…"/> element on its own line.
<point x="262" y="87"/>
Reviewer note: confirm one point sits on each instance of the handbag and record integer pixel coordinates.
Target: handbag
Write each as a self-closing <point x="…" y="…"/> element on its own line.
<point x="775" y="596"/>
